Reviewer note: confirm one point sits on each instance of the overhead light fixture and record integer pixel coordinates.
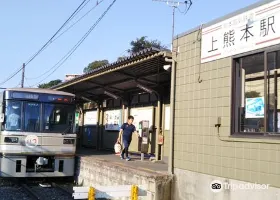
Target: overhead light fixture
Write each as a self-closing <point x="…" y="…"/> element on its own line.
<point x="111" y="94"/>
<point x="144" y="88"/>
<point x="166" y="67"/>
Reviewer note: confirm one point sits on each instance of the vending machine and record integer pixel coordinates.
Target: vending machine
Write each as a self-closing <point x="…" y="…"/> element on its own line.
<point x="143" y="146"/>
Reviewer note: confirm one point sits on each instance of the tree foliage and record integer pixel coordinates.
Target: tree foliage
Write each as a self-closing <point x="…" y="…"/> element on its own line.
<point x="252" y="94"/>
<point x="50" y="84"/>
<point x="121" y="57"/>
<point x="95" y="64"/>
<point x="136" y="46"/>
<point x="143" y="43"/>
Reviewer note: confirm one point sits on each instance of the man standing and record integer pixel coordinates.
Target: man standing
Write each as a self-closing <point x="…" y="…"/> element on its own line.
<point x="126" y="131"/>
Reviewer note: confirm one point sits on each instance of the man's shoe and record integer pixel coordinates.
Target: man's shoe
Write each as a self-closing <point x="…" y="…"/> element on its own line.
<point x="128" y="159"/>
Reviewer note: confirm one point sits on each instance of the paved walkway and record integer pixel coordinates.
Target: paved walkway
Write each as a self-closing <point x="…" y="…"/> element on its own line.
<point x="135" y="162"/>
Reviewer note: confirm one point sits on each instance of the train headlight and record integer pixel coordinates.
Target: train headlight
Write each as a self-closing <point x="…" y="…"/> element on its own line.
<point x="68" y="141"/>
<point x="11" y="140"/>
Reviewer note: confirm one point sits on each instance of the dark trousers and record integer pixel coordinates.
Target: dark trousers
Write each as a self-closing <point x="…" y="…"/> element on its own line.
<point x="126" y="144"/>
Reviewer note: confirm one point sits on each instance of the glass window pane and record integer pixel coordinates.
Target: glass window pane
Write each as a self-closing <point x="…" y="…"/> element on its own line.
<point x="32" y="117"/>
<point x="58" y="118"/>
<point x="251" y="87"/>
<point x="273" y="72"/>
<point x="13" y="116"/>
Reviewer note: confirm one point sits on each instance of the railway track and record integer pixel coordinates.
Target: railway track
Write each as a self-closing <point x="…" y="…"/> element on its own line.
<point x="13" y="192"/>
<point x="52" y="192"/>
<point x="23" y="190"/>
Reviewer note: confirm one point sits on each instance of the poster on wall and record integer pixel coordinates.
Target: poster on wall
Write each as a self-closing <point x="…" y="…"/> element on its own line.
<point x="140" y="114"/>
<point x="254" y="107"/>
<point x="76" y="118"/>
<point x="113" y="120"/>
<point x="167" y="118"/>
<point x="90" y="118"/>
<point x="254" y="29"/>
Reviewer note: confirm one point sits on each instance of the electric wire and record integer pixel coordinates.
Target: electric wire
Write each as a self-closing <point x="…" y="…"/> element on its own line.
<point x="188" y="5"/>
<point x="65" y="58"/>
<point x="98" y="3"/>
<point x="11" y="76"/>
<point x="80" y="7"/>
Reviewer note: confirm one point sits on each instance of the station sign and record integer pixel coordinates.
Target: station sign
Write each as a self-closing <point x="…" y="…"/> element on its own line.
<point x="251" y="30"/>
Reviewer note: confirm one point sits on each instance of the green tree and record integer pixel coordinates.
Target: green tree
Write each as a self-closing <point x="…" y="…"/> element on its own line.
<point x="95" y="64"/>
<point x="121" y="57"/>
<point x="143" y="43"/>
<point x="252" y="94"/>
<point x="50" y="84"/>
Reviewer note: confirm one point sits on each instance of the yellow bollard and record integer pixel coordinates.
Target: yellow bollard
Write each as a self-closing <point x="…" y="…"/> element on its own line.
<point x="134" y="192"/>
<point x="91" y="193"/>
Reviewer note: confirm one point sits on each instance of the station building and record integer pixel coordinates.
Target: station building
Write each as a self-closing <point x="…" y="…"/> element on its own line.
<point x="138" y="85"/>
<point x="227" y="122"/>
<point x="213" y="116"/>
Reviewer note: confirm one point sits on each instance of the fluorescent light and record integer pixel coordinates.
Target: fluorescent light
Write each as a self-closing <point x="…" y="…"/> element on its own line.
<point x="144" y="88"/>
<point x="111" y="94"/>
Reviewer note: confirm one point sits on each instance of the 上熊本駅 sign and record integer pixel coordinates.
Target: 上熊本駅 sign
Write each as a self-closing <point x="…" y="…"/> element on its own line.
<point x="251" y="30"/>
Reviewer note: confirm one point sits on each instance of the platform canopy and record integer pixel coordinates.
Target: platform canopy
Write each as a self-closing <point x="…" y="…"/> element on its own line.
<point x="141" y="72"/>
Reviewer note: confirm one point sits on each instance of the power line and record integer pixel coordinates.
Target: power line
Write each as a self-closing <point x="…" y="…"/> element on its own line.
<point x="11" y="76"/>
<point x="98" y="3"/>
<point x="63" y="25"/>
<point x="80" y="7"/>
<point x="63" y="60"/>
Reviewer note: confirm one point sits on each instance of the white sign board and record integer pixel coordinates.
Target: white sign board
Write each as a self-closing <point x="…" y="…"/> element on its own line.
<point x="251" y="30"/>
<point x="254" y="107"/>
<point x="31" y="141"/>
<point x="90" y="118"/>
<point x="167" y="118"/>
<point x="113" y="120"/>
<point x="141" y="114"/>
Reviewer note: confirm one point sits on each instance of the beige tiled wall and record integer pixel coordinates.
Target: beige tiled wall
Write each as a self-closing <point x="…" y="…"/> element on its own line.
<point x="197" y="106"/>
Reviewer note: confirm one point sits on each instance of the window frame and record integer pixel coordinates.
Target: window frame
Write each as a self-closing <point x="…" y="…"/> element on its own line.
<point x="234" y="96"/>
<point x="24" y="104"/>
<point x="43" y="116"/>
<point x="6" y="118"/>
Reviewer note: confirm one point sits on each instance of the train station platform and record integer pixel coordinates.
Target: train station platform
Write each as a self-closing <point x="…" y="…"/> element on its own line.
<point x="101" y="168"/>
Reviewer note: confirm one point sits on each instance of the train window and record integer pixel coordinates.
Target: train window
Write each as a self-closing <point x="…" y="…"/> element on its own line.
<point x="32" y="117"/>
<point x="58" y="118"/>
<point x="18" y="166"/>
<point x="13" y="116"/>
<point x="60" y="167"/>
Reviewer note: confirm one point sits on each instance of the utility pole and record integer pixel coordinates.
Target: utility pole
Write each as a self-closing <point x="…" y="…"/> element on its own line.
<point x="175" y="5"/>
<point x="22" y="76"/>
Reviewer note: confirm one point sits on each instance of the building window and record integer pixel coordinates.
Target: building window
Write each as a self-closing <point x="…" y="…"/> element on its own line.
<point x="255" y="99"/>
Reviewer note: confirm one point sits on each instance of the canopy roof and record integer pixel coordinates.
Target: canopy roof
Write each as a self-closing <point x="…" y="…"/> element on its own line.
<point x="127" y="75"/>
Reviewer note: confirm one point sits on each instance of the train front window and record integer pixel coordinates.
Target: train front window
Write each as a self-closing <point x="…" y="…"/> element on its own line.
<point x="58" y="118"/>
<point x="13" y="115"/>
<point x="32" y="117"/>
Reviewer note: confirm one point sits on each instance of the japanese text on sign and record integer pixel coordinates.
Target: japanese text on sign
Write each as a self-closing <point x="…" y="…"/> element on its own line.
<point x="251" y="30"/>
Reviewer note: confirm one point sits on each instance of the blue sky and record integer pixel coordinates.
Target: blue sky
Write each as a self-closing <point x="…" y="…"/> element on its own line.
<point x="27" y="24"/>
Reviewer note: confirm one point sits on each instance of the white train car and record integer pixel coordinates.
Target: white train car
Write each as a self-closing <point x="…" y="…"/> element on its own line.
<point x="37" y="136"/>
